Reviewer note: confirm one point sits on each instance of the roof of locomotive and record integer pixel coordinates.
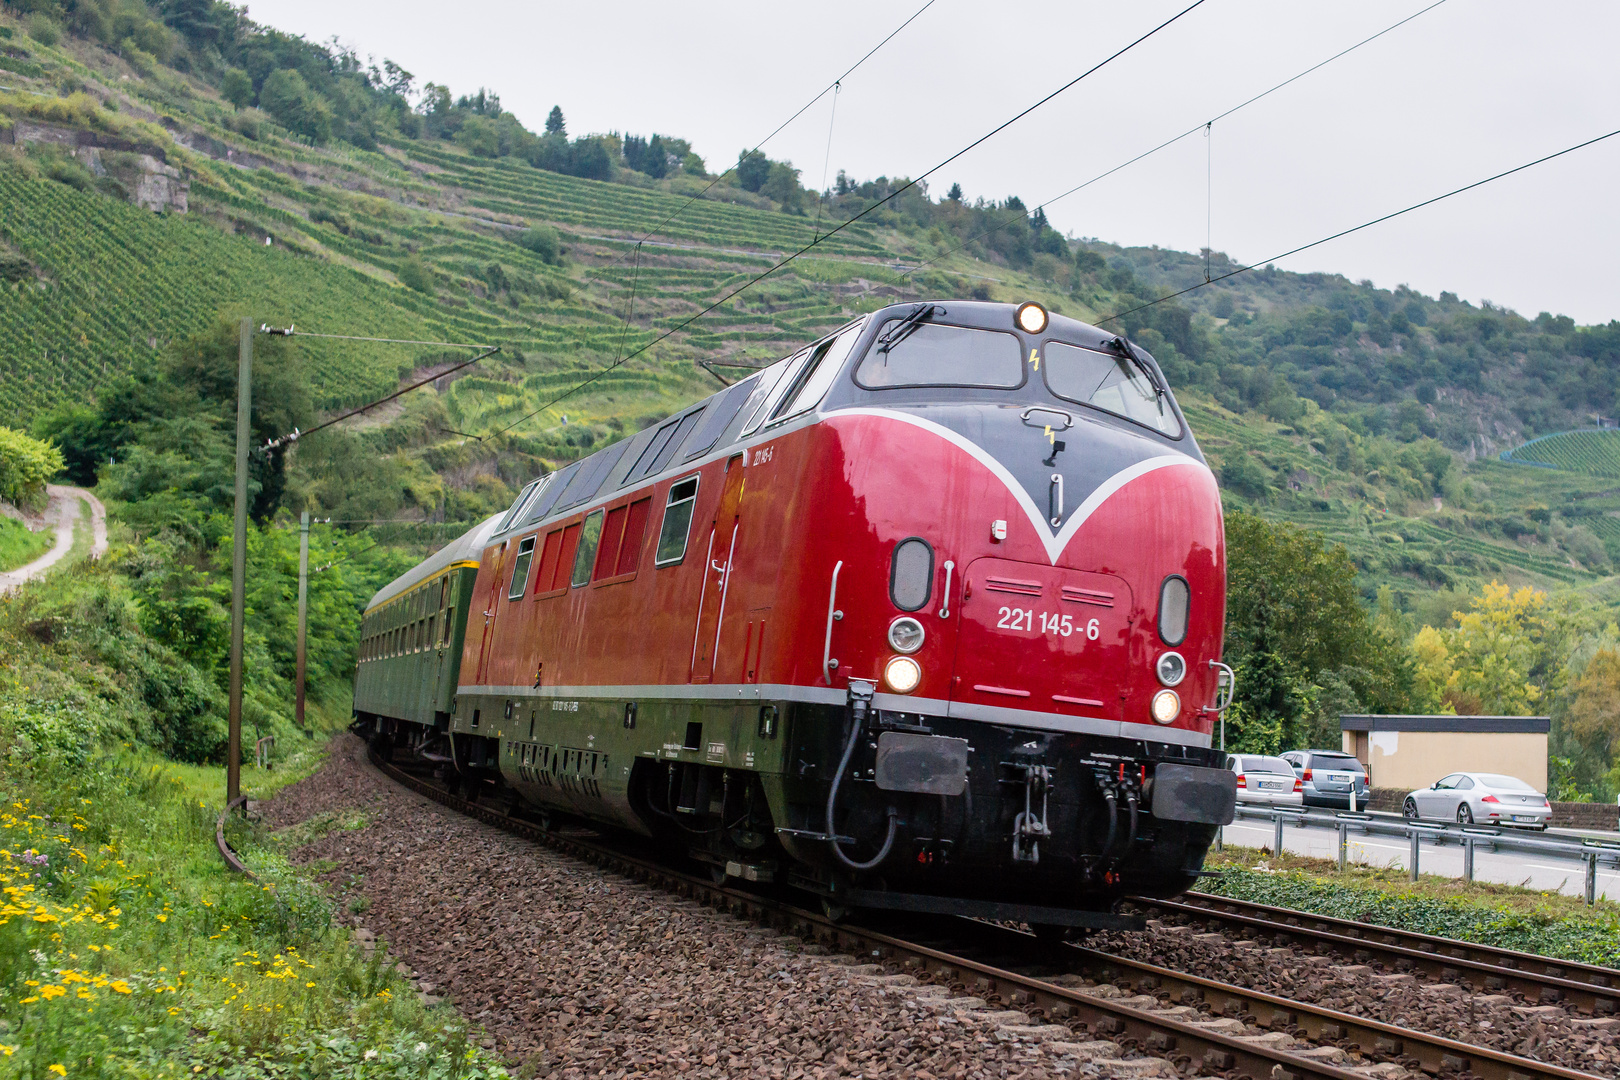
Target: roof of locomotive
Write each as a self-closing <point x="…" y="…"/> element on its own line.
<point x="991" y="315"/>
<point x="465" y="548"/>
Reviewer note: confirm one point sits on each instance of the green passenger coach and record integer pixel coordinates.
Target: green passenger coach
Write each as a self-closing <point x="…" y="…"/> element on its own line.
<point x="412" y="633"/>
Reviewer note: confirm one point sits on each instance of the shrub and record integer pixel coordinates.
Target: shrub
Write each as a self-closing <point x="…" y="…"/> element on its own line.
<point x="25" y="465"/>
<point x="544" y="242"/>
<point x="414" y="274"/>
<point x="43" y="30"/>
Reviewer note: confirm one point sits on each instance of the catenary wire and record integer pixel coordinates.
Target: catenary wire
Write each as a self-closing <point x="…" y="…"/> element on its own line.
<point x="953" y="249"/>
<point x="673" y="214"/>
<point x="1363" y="225"/>
<point x="293" y="331"/>
<point x="757" y="278"/>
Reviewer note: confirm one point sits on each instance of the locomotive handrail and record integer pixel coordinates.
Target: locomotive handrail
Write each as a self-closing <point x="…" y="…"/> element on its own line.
<point x="827" y="661"/>
<point x="945" y="606"/>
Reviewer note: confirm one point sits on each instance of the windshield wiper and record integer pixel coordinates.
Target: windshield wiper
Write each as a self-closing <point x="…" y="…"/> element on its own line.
<point x="1124" y="348"/>
<point x="906" y="327"/>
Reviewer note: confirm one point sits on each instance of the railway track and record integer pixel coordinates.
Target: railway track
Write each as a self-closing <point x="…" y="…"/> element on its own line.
<point x="1202" y="1026"/>
<point x="1587" y="988"/>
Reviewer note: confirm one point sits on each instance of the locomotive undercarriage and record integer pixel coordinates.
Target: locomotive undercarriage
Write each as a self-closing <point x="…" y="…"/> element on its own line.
<point x="1063" y="820"/>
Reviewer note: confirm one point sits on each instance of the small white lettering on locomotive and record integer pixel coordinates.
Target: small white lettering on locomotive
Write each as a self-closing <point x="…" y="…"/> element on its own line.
<point x="717" y="751"/>
<point x="761" y="455"/>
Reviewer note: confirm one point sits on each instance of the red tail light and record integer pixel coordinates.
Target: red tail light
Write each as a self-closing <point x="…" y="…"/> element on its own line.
<point x="1489" y="798"/>
<point x="1297" y="785"/>
<point x="1243" y="781"/>
<point x="1307" y="774"/>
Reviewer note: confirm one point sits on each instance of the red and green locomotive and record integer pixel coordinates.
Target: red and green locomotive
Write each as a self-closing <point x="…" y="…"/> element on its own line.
<point x="927" y="615"/>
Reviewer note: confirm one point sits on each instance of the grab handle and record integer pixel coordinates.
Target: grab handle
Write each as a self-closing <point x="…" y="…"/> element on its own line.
<point x="828" y="664"/>
<point x="1057" y="498"/>
<point x="945" y="609"/>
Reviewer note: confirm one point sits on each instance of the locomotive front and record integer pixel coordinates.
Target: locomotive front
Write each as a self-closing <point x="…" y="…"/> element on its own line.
<point x="1017" y="573"/>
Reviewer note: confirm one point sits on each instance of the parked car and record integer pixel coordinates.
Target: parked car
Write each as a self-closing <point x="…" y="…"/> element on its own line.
<point x="1327" y="777"/>
<point x="1262" y="779"/>
<point x="1487" y="798"/>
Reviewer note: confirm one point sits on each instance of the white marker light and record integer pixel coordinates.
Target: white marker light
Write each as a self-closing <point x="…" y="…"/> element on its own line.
<point x="1166" y="706"/>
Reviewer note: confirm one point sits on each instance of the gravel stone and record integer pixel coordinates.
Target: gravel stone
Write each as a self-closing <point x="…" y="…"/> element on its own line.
<point x="574" y="971"/>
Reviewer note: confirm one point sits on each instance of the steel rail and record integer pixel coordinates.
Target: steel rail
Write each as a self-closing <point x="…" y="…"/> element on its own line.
<point x="1545" y="980"/>
<point x="1193" y="1047"/>
<point x="1419" y="1051"/>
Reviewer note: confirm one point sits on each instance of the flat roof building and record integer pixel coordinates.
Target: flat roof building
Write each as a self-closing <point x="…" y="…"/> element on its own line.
<point x="1414" y="751"/>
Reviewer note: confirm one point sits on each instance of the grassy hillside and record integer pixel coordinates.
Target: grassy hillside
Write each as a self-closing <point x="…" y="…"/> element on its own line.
<point x="1375" y="415"/>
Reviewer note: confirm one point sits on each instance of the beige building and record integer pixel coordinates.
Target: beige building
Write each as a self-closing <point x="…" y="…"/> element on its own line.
<point x="1408" y="752"/>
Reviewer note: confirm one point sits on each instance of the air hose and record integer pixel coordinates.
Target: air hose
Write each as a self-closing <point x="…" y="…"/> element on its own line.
<point x="1130" y="801"/>
<point x="1113" y="824"/>
<point x="858" y="725"/>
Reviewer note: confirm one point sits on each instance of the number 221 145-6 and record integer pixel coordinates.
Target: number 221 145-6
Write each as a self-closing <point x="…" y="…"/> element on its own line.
<point x="1062" y="625"/>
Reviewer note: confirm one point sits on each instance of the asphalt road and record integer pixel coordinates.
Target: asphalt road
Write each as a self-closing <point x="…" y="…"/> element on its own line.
<point x="1509" y="868"/>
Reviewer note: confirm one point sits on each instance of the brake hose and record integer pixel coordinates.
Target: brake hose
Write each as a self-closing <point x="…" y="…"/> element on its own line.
<point x="856" y="728"/>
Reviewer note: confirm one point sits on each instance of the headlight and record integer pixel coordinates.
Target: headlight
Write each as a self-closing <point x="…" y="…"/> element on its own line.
<point x="905" y="635"/>
<point x="1171" y="668"/>
<point x="902" y="674"/>
<point x="1166" y="706"/>
<point x="1031" y="317"/>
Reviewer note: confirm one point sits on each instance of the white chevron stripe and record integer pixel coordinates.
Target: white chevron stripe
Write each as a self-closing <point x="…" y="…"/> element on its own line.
<point x="1053" y="542"/>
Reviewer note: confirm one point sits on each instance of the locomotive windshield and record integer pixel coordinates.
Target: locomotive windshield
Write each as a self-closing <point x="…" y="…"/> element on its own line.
<point x="1109" y="382"/>
<point x="935" y="354"/>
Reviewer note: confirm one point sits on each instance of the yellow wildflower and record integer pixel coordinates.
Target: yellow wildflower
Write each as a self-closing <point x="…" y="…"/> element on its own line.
<point x="49" y="991"/>
<point x="121" y="986"/>
<point x="59" y="1070"/>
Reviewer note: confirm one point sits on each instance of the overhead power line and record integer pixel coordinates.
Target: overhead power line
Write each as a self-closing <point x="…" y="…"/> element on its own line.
<point x="291" y="331"/>
<point x="909" y="184"/>
<point x="1204" y="126"/>
<point x="1364" y="225"/>
<point x="830" y="87"/>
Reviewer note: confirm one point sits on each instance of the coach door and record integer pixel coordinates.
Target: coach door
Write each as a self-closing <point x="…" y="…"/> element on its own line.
<point x="721" y="547"/>
<point x="486" y="646"/>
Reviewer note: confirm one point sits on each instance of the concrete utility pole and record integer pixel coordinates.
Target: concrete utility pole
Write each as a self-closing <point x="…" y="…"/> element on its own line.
<point x="244" y="409"/>
<point x="303" y="611"/>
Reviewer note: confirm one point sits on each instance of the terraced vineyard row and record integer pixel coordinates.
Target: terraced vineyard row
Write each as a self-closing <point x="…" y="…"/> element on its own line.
<point x="115" y="283"/>
<point x="1592" y="451"/>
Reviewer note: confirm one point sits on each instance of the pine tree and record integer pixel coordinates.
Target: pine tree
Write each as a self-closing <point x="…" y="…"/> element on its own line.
<point x="955" y="194"/>
<point x="554" y="122"/>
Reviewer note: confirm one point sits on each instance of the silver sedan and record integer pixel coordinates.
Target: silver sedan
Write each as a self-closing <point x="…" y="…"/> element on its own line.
<point x="1486" y="798"/>
<point x="1263" y="779"/>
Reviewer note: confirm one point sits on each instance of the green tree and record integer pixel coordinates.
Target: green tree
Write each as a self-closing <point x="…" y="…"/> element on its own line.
<point x="955" y="194"/>
<point x="236" y="88"/>
<point x="782" y="185"/>
<point x="1303" y="647"/>
<point x="554" y="122"/>
<point x="753" y="169"/>
<point x="480" y="136"/>
<point x="287" y="97"/>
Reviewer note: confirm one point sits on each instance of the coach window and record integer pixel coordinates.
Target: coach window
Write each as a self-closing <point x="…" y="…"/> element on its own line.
<point x="677" y="522"/>
<point x="520" y="568"/>
<point x="607" y="549"/>
<point x="585" y="554"/>
<point x="816" y="378"/>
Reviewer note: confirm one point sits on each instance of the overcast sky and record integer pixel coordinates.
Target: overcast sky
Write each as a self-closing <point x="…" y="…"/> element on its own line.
<point x="1461" y="92"/>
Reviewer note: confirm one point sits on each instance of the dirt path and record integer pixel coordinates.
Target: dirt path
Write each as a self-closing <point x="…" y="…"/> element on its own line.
<point x="63" y="511"/>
